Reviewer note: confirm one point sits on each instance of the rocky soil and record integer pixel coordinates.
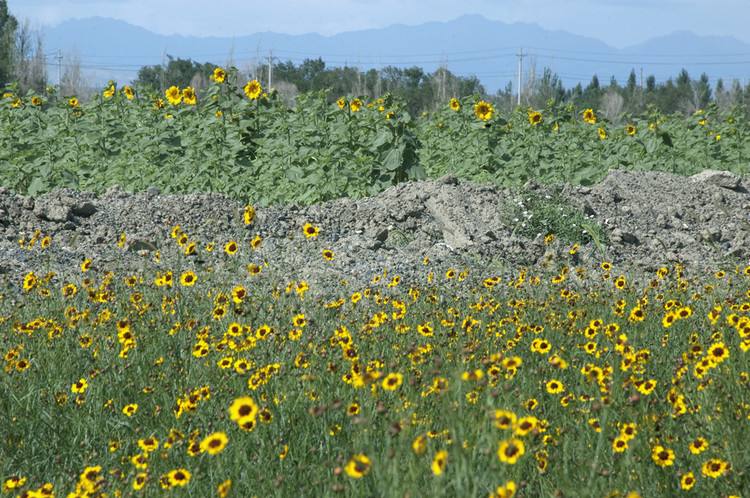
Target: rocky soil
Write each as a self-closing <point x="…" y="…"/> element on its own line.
<point x="648" y="219"/>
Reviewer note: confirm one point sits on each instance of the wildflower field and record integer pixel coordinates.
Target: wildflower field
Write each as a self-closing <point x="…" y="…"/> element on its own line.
<point x="237" y="139"/>
<point x="582" y="382"/>
<point x="584" y="378"/>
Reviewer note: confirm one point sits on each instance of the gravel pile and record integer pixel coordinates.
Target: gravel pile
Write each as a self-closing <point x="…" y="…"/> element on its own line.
<point x="649" y="219"/>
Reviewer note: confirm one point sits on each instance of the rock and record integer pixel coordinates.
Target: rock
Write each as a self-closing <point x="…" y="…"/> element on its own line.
<point x="84" y="209"/>
<point x="53" y="209"/>
<point x="723" y="179"/>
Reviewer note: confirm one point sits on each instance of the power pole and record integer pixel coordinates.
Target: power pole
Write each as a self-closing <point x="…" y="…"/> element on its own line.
<point x="520" y="71"/>
<point x="270" y="69"/>
<point x="641" y="78"/>
<point x="59" y="68"/>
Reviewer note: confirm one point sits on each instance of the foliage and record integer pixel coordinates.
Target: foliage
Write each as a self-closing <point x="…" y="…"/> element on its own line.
<point x="400" y="388"/>
<point x="315" y="150"/>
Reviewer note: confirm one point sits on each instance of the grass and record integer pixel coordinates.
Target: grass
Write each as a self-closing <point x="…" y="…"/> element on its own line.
<point x="464" y="347"/>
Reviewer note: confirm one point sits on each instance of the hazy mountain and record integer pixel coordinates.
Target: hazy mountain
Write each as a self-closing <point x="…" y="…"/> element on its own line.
<point x="470" y="44"/>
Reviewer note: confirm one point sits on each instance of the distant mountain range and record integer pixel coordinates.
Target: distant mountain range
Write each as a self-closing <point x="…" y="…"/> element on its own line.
<point x="470" y="44"/>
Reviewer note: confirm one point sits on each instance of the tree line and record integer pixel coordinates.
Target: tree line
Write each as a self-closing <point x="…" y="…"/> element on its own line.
<point x="23" y="64"/>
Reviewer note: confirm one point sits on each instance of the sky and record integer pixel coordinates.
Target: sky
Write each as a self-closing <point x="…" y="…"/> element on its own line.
<point x="619" y="23"/>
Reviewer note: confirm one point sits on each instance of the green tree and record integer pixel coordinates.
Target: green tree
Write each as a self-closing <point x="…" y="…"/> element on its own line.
<point x="8" y="26"/>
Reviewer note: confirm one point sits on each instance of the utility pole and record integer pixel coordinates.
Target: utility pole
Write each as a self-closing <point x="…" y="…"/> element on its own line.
<point x="641" y="78"/>
<point x="59" y="68"/>
<point x="270" y="69"/>
<point x="520" y="71"/>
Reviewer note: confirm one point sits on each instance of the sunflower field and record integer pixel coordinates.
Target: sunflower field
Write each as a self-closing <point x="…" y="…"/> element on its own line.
<point x="238" y="139"/>
<point x="171" y="382"/>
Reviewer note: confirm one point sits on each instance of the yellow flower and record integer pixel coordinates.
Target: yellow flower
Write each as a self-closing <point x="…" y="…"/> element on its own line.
<point x="188" y="96"/>
<point x="173" y="94"/>
<point x="358" y="466"/>
<point x="253" y="89"/>
<point x="310" y="231"/>
<point x="355" y="105"/>
<point x="129" y="410"/>
<point x="109" y="92"/>
<point x="484" y="110"/>
<point x="663" y="457"/>
<point x="80" y="386"/>
<point x="631" y="130"/>
<point x="213" y="444"/>
<point x="188" y="279"/>
<point x="248" y="215"/>
<point x="128" y="92"/>
<point x="392" y="381"/>
<point x="73" y="102"/>
<point x="439" y="462"/>
<point x="687" y="481"/>
<point x="535" y="118"/>
<point x="219" y="75"/>
<point x="507" y="490"/>
<point x="589" y="116"/>
<point x="455" y="104"/>
<point x="602" y="133"/>
<point x="341" y="102"/>
<point x="510" y="451"/>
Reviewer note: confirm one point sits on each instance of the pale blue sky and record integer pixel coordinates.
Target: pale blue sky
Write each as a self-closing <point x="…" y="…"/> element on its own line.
<point x="616" y="22"/>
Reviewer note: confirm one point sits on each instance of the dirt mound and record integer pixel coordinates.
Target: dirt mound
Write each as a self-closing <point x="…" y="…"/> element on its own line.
<point x="640" y="219"/>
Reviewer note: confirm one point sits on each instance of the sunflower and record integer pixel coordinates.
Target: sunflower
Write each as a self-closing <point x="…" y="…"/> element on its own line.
<point x="178" y="477"/>
<point x="130" y="409"/>
<point x="248" y="215"/>
<point x="439" y="462"/>
<point x="358" y="466"/>
<point x="188" y="278"/>
<point x="507" y="490"/>
<point x="109" y="92"/>
<point x="392" y="381"/>
<point x="455" y="105"/>
<point x="139" y="481"/>
<point x="554" y="386"/>
<point x="483" y="110"/>
<point x="355" y="105"/>
<point x="231" y="248"/>
<point x="29" y="281"/>
<point x="173" y="95"/>
<point x="219" y="75"/>
<point x="631" y="130"/>
<point x="504" y="419"/>
<point x="353" y="409"/>
<point x="525" y="425"/>
<point x="36" y="101"/>
<point x="602" y="133"/>
<point x="149" y="444"/>
<point x="717" y="352"/>
<point x="243" y="409"/>
<point x="510" y="450"/>
<point x="128" y="91"/>
<point x="80" y="386"/>
<point x="213" y="444"/>
<point x="714" y="468"/>
<point x="73" y="102"/>
<point x="310" y="231"/>
<point x="589" y="116"/>
<point x="620" y="444"/>
<point x="328" y="254"/>
<point x="663" y="457"/>
<point x="341" y="102"/>
<point x="698" y="445"/>
<point x="188" y="96"/>
<point x="687" y="481"/>
<point x="535" y="118"/>
<point x="253" y="89"/>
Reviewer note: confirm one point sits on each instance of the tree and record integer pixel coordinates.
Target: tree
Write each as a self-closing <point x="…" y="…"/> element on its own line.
<point x="30" y="66"/>
<point x="8" y="26"/>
